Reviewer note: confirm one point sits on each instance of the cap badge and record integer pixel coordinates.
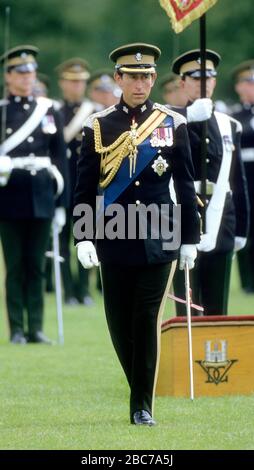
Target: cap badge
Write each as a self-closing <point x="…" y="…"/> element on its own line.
<point x="160" y="165"/>
<point x="138" y="56"/>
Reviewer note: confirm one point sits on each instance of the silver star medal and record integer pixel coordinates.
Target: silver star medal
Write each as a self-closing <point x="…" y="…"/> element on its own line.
<point x="160" y="166"/>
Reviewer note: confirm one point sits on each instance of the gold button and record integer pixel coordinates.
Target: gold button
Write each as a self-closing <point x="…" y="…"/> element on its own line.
<point x="207" y="160"/>
<point x="137" y="202"/>
<point x="207" y="140"/>
<point x="137" y="183"/>
<point x="30" y="139"/>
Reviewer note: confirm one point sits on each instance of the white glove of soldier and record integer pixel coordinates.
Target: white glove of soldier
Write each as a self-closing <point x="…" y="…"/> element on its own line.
<point x="207" y="243"/>
<point x="188" y="254"/>
<point x="87" y="254"/>
<point x="6" y="167"/>
<point x="200" y="110"/>
<point x="240" y="243"/>
<point x="59" y="218"/>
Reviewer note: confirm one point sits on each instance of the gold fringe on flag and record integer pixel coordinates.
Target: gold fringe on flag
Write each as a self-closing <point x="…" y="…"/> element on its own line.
<point x="183" y="12"/>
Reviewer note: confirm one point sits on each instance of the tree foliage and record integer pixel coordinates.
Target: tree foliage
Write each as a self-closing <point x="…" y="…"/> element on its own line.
<point x="92" y="28"/>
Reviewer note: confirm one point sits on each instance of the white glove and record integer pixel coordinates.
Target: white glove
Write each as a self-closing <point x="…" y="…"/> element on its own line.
<point x="6" y="167"/>
<point x="87" y="254"/>
<point x="59" y="218"/>
<point x="208" y="242"/>
<point x="200" y="110"/>
<point x="188" y="254"/>
<point x="240" y="243"/>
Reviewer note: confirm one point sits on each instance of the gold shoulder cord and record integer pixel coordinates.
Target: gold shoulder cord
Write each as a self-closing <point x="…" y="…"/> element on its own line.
<point x="125" y="145"/>
<point x="123" y="139"/>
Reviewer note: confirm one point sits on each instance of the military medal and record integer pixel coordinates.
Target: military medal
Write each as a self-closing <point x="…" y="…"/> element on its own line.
<point x="162" y="137"/>
<point x="48" y="124"/>
<point x="228" y="143"/>
<point x="160" y="166"/>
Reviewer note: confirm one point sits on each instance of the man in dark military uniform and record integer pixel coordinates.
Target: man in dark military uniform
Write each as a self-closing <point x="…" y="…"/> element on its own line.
<point x="227" y="208"/>
<point x="32" y="167"/>
<point x="75" y="108"/>
<point x="243" y="76"/>
<point x="130" y="151"/>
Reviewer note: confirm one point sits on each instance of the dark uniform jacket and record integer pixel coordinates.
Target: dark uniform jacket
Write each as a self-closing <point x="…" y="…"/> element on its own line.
<point x="68" y="111"/>
<point x="32" y="195"/>
<point x="245" y="114"/>
<point x="235" y="216"/>
<point x="148" y="187"/>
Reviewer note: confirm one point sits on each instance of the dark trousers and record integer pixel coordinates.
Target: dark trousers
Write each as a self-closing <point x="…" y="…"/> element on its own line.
<point x="245" y="258"/>
<point x="132" y="298"/>
<point x="210" y="281"/>
<point x="71" y="289"/>
<point x="24" y="244"/>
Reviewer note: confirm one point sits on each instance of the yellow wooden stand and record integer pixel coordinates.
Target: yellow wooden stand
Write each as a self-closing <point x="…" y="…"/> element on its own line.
<point x="223" y="356"/>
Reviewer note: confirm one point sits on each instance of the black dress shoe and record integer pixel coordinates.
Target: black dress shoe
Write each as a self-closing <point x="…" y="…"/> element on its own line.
<point x="39" y="337"/>
<point x="18" y="338"/>
<point x="142" y="417"/>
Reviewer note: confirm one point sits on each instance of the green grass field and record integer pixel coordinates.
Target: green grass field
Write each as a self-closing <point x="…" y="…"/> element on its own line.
<point x="75" y="396"/>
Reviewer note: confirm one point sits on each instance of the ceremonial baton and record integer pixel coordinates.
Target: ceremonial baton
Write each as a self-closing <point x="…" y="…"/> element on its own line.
<point x="188" y="309"/>
<point x="57" y="260"/>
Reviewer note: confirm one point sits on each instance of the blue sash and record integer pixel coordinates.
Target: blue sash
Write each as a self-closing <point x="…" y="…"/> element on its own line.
<point x="122" y="179"/>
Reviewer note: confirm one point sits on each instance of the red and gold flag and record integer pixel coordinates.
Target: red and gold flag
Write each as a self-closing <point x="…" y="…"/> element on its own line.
<point x="183" y="12"/>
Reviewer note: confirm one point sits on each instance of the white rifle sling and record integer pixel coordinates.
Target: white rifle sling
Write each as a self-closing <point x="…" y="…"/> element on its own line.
<point x="76" y="124"/>
<point x="221" y="187"/>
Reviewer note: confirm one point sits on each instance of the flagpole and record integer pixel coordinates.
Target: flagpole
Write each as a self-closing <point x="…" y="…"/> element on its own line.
<point x="203" y="149"/>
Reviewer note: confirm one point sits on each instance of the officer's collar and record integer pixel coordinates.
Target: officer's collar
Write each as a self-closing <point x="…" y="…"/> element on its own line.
<point x="21" y="99"/>
<point x="140" y="109"/>
<point x="248" y="106"/>
<point x="73" y="104"/>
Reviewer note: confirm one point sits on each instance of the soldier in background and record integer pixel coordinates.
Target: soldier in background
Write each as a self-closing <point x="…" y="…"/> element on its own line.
<point x="243" y="76"/>
<point x="104" y="92"/>
<point x="32" y="171"/>
<point x="75" y="108"/>
<point x="102" y="89"/>
<point x="227" y="209"/>
<point x="41" y="85"/>
<point x="172" y="93"/>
